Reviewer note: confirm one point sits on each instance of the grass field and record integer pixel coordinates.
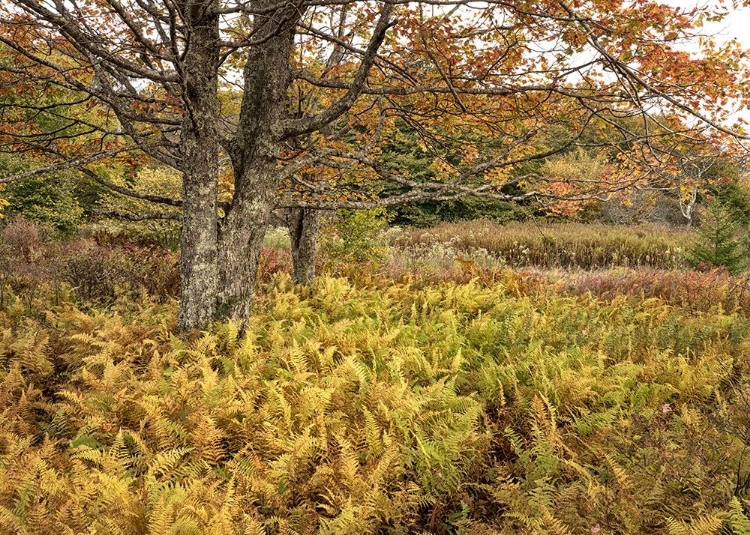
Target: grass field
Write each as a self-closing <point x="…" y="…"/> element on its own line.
<point x="587" y="246"/>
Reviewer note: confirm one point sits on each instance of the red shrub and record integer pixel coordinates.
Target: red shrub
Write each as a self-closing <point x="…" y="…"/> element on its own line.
<point x="272" y="261"/>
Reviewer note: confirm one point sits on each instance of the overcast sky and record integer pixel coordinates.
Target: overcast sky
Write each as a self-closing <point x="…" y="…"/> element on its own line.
<point x="735" y="25"/>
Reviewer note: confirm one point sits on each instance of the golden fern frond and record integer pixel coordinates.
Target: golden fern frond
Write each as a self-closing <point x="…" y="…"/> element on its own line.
<point x="164" y="462"/>
<point x="738" y="519"/>
<point x="619" y="473"/>
<point x="10" y="521"/>
<point x="553" y="525"/>
<point x="348" y="463"/>
<point x="253" y="527"/>
<point x="704" y="525"/>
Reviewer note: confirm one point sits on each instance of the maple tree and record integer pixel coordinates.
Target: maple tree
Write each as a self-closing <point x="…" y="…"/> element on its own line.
<point x="264" y="104"/>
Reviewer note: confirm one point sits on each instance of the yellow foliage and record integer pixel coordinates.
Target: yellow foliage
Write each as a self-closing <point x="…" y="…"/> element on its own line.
<point x="3" y="202"/>
<point x="448" y="409"/>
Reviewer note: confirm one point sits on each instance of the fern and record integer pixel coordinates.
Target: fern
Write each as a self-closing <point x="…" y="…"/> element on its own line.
<point x="468" y="408"/>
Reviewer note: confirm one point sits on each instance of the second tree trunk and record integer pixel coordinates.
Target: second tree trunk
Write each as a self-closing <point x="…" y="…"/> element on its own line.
<point x="304" y="227"/>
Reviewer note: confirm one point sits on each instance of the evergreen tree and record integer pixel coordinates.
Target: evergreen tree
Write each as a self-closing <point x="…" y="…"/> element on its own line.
<point x="722" y="238"/>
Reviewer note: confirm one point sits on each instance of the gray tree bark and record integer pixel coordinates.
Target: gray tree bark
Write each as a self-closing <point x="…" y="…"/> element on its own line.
<point x="200" y="165"/>
<point x="240" y="243"/>
<point x="254" y="153"/>
<point x="304" y="229"/>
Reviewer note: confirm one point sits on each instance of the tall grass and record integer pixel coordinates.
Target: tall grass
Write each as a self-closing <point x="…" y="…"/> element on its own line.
<point x="587" y="246"/>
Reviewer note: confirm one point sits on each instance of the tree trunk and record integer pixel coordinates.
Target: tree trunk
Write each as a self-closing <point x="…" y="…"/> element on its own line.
<point x="304" y="227"/>
<point x="686" y="207"/>
<point x="254" y="155"/>
<point x="200" y="164"/>
<point x="241" y="240"/>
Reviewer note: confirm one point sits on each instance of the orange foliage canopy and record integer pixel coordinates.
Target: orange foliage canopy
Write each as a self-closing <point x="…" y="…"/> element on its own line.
<point x="480" y="88"/>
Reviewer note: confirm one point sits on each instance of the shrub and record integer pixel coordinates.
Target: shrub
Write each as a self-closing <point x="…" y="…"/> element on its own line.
<point x="694" y="290"/>
<point x="21" y="237"/>
<point x="161" y="234"/>
<point x="23" y="265"/>
<point x="96" y="273"/>
<point x="101" y="274"/>
<point x="277" y="238"/>
<point x="159" y="272"/>
<point x="46" y="200"/>
<point x="274" y="261"/>
<point x="356" y="237"/>
<point x="153" y="180"/>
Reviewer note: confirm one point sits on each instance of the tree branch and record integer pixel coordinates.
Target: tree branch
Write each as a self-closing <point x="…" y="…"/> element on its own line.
<point x="70" y="164"/>
<point x="136" y="217"/>
<point x="308" y="125"/>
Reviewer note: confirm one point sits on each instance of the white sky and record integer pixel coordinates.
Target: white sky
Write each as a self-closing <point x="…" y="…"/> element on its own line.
<point x="735" y="25"/>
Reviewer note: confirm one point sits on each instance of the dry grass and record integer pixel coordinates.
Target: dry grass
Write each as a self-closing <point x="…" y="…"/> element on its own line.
<point x="587" y="246"/>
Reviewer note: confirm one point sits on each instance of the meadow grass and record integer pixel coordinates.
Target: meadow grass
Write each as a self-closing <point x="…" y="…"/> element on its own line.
<point x="586" y="246"/>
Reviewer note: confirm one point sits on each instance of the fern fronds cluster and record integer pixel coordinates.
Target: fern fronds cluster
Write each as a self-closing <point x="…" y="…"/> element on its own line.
<point x="450" y="408"/>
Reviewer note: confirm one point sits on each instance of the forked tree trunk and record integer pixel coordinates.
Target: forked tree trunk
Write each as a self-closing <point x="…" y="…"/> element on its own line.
<point x="240" y="243"/>
<point x="304" y="230"/>
<point x="200" y="163"/>
<point x="254" y="155"/>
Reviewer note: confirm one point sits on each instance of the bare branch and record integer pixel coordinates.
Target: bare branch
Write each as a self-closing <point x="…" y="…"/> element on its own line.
<point x="69" y="164"/>
<point x="135" y="217"/>
<point x="307" y="125"/>
<point x="157" y="199"/>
